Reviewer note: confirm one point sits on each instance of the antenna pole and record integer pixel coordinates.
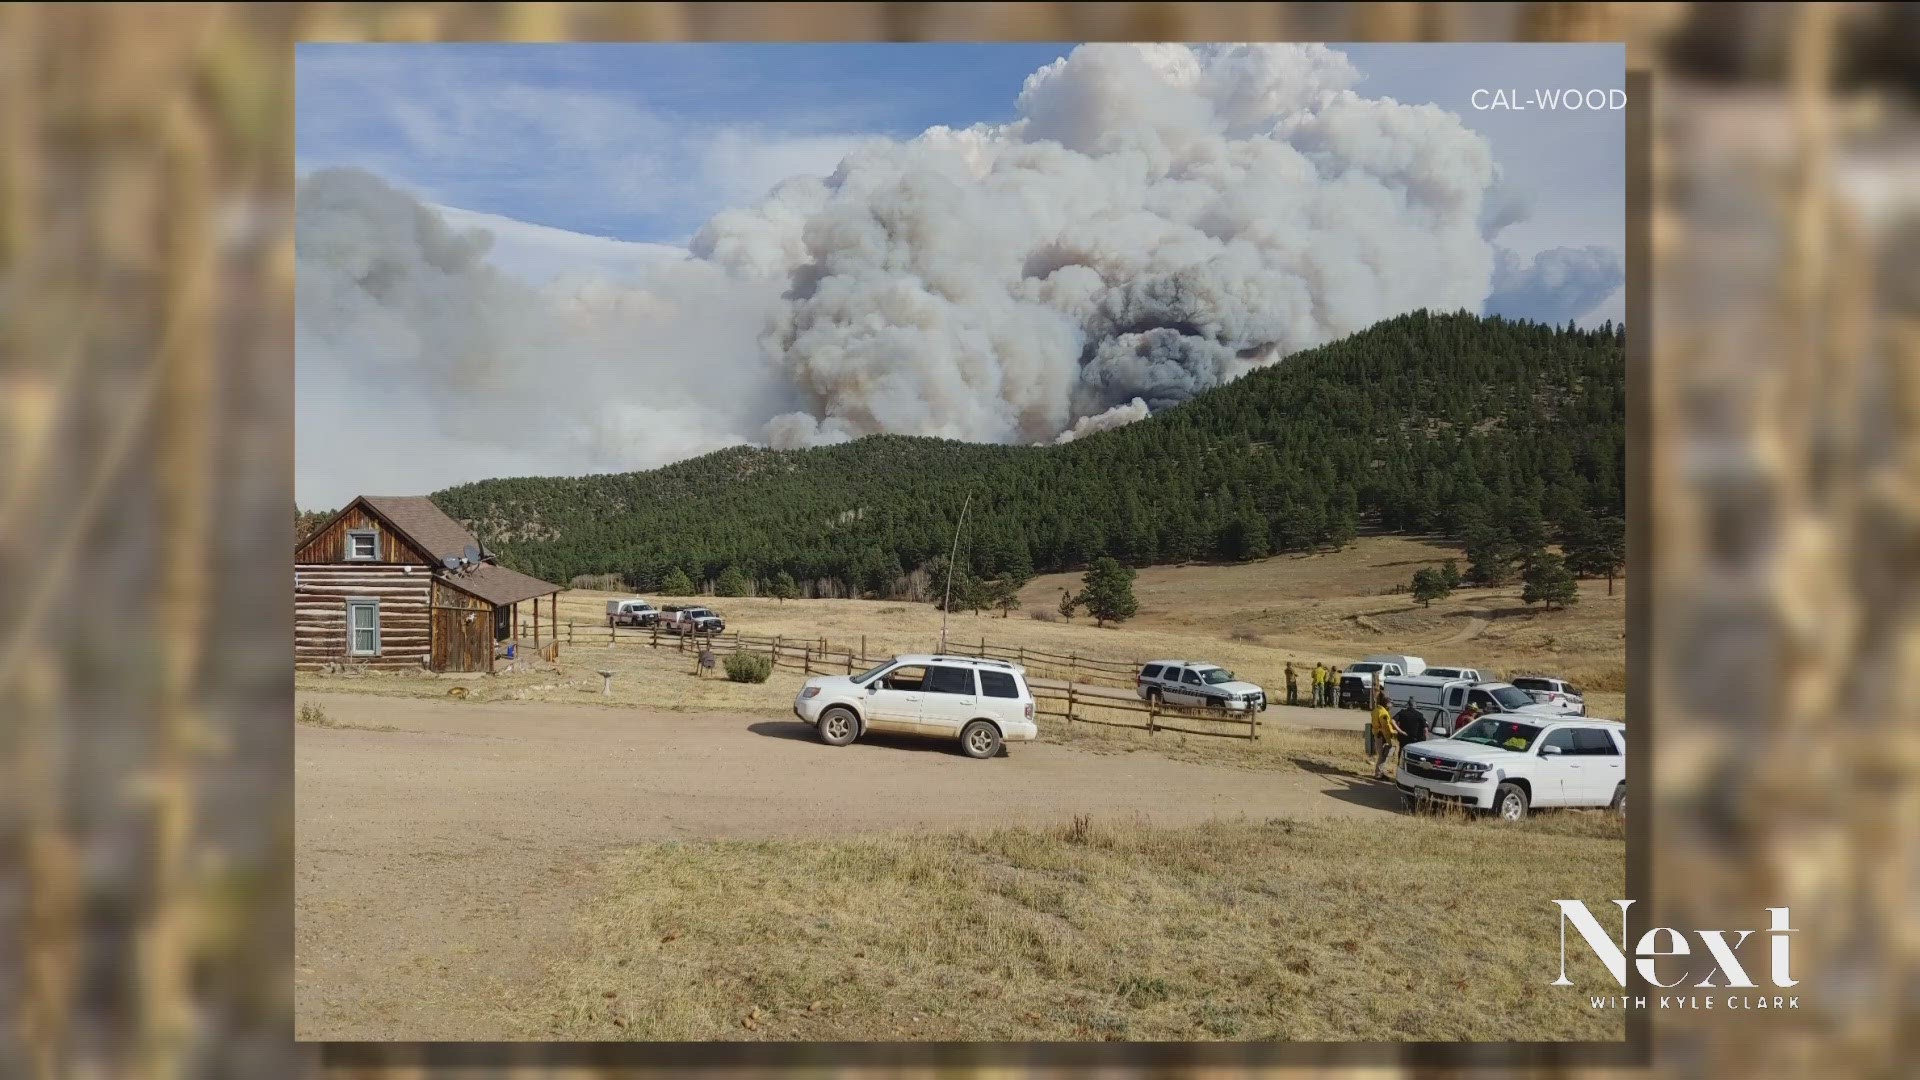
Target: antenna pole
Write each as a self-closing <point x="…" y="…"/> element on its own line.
<point x="946" y="607"/>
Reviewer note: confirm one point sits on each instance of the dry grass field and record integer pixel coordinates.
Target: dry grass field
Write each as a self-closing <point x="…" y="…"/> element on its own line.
<point x="1337" y="929"/>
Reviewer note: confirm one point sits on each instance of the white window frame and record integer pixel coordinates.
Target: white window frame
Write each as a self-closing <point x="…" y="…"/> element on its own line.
<point x="355" y="534"/>
<point x="354" y="602"/>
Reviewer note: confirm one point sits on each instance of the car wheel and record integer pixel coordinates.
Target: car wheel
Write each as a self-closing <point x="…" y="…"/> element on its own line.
<point x="1510" y="802"/>
<point x="838" y="726"/>
<point x="1619" y="803"/>
<point x="1410" y="802"/>
<point x="980" y="739"/>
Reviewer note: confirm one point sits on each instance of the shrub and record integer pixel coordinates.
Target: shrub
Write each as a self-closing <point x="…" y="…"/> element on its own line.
<point x="313" y="715"/>
<point x="1038" y="615"/>
<point x="1242" y="633"/>
<point x="598" y="582"/>
<point x="749" y="667"/>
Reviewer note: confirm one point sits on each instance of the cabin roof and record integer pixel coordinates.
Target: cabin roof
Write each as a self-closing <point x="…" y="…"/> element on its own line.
<point x="423" y="523"/>
<point x="498" y="585"/>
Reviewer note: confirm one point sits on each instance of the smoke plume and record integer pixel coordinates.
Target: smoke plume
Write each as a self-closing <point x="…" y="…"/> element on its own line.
<point x="1158" y="220"/>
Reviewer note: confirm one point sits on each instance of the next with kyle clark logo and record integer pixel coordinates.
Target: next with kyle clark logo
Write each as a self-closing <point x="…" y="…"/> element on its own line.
<point x="1718" y="963"/>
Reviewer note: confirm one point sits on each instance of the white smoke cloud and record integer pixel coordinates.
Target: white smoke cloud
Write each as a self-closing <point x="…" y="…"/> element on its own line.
<point x="1555" y="285"/>
<point x="1118" y="416"/>
<point x="1158" y="220"/>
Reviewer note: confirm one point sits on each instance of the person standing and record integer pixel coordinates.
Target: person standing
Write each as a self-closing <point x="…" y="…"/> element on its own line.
<point x="1383" y="738"/>
<point x="1410" y="726"/>
<point x="1319" y="683"/>
<point x="1293" y="685"/>
<point x="1333" y="686"/>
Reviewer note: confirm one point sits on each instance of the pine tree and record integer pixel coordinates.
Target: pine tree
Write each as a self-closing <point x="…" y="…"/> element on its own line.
<point x="732" y="583"/>
<point x="677" y="583"/>
<point x="784" y="588"/>
<point x="1597" y="547"/>
<point x="1069" y="604"/>
<point x="1107" y="592"/>
<point x="1450" y="574"/>
<point x="1006" y="595"/>
<point x="1429" y="585"/>
<point x="1549" y="580"/>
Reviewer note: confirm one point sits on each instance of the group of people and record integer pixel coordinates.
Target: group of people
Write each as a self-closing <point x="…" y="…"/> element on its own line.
<point x="1391" y="729"/>
<point x="1326" y="686"/>
<point x="1404" y="728"/>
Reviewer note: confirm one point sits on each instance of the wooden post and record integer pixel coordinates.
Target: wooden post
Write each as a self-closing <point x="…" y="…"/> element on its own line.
<point x="863" y="648"/>
<point x="806" y="659"/>
<point x="1023" y="656"/>
<point x="653" y="639"/>
<point x="1073" y="667"/>
<point x="569" y="633"/>
<point x="849" y="661"/>
<point x="1069" y="706"/>
<point x="1153" y="715"/>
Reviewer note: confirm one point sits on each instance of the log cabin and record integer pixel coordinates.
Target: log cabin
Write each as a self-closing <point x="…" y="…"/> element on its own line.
<point x="392" y="582"/>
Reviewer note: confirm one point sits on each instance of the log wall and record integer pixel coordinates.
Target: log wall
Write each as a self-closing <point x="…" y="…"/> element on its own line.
<point x="320" y="593"/>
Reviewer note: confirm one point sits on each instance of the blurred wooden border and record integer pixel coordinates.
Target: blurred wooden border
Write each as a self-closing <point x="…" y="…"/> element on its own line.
<point x="145" y="473"/>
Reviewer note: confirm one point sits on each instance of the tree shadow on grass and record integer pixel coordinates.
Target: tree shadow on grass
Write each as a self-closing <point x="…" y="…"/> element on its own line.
<point x="1357" y="789"/>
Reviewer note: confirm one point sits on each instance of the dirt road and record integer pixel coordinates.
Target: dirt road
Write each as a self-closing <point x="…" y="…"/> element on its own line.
<point x="439" y="863"/>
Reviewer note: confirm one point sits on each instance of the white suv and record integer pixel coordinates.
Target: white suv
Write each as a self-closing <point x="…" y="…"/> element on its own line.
<point x="1190" y="682"/>
<point x="1509" y="764"/>
<point x="981" y="703"/>
<point x="1558" y="694"/>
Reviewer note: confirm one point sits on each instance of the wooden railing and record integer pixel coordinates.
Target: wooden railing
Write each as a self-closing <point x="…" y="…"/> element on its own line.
<point x="1071" y="683"/>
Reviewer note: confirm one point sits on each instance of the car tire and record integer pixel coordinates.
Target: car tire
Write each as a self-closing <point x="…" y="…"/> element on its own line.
<point x="1619" y="803"/>
<point x="1510" y="802"/>
<point x="980" y="739"/>
<point x="838" y="726"/>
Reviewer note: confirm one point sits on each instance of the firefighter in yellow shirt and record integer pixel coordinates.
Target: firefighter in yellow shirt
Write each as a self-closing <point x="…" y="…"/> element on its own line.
<point x="1383" y="733"/>
<point x="1319" y="683"/>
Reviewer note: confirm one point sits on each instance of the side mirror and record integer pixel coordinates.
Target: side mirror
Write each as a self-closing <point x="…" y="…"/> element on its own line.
<point x="1550" y="751"/>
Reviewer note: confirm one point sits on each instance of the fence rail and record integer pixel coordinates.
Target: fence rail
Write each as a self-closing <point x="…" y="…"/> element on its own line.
<point x="1080" y="676"/>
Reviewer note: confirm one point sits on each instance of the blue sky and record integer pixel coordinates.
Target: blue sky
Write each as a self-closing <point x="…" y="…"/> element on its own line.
<point x="639" y="143"/>
<point x="644" y="143"/>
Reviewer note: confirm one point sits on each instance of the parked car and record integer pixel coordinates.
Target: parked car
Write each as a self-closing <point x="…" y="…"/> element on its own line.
<point x="1190" y="682"/>
<point x="1442" y="701"/>
<point x="680" y="620"/>
<point x="1467" y="673"/>
<point x="981" y="703"/>
<point x="1508" y="765"/>
<point x="1562" y="695"/>
<point x="631" y="613"/>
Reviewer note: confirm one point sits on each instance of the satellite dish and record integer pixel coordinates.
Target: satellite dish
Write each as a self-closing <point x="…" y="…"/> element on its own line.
<point x="472" y="554"/>
<point x="451" y="562"/>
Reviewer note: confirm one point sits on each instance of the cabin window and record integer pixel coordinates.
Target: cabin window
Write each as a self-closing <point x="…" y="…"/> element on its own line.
<point x="363" y="627"/>
<point x="363" y="545"/>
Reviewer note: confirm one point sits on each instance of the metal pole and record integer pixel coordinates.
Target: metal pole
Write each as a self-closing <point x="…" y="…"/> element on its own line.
<point x="946" y="608"/>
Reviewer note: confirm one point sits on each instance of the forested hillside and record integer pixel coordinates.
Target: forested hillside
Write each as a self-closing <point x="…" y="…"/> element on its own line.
<point x="1424" y="423"/>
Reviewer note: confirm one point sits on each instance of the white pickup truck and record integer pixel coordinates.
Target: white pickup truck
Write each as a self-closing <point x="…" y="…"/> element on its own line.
<point x="1509" y="764"/>
<point x="631" y="613"/>
<point x="698" y="620"/>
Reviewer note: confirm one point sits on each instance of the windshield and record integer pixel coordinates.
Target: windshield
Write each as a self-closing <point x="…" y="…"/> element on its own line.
<point x="698" y="613"/>
<point x="870" y="673"/>
<point x="1511" y="697"/>
<point x="1363" y="668"/>
<point x="1216" y="676"/>
<point x="1504" y="734"/>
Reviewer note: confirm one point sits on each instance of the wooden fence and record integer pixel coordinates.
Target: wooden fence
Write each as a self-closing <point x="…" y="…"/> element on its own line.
<point x="1075" y="700"/>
